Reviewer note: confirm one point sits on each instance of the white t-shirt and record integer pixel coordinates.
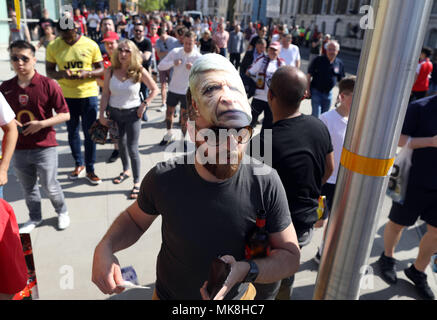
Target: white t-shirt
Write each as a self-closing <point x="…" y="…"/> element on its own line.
<point x="6" y="112"/>
<point x="261" y="94"/>
<point x="290" y="55"/>
<point x="93" y="20"/>
<point x="179" y="80"/>
<point x="337" y="126"/>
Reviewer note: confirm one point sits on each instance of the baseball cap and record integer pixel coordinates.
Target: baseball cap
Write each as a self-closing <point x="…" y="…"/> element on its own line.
<point x="110" y="36"/>
<point x="275" y="45"/>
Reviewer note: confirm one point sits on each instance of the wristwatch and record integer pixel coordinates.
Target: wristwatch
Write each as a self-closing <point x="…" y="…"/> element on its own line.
<point x="253" y="272"/>
<point x="90" y="75"/>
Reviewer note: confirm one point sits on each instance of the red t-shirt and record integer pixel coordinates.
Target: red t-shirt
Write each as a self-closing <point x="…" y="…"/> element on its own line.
<point x="106" y="63"/>
<point x="80" y="20"/>
<point x="35" y="102"/>
<point x="422" y="82"/>
<point x="153" y="40"/>
<point x="13" y="269"/>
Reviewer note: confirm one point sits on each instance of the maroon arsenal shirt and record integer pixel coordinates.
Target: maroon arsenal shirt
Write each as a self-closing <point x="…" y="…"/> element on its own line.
<point x="35" y="102"/>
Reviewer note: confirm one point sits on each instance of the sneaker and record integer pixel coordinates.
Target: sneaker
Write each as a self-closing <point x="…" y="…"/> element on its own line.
<point x="114" y="156"/>
<point x="387" y="268"/>
<point x="78" y="172"/>
<point x="28" y="226"/>
<point x="163" y="108"/>
<point x="419" y="279"/>
<point x="93" y="179"/>
<point x="63" y="221"/>
<point x="168" y="138"/>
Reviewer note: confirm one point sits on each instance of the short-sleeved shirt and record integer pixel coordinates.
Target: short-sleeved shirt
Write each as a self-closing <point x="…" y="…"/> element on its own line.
<point x="299" y="149"/>
<point x="290" y="55"/>
<point x="423" y="71"/>
<point x="17" y="34"/>
<point x="143" y="46"/>
<point x="43" y="22"/>
<point x="221" y="39"/>
<point x="421" y="121"/>
<point x="325" y="74"/>
<point x="79" y="56"/>
<point x="13" y="271"/>
<point x="167" y="45"/>
<point x="337" y="126"/>
<point x="6" y="112"/>
<point x="206" y="219"/>
<point x="35" y="102"/>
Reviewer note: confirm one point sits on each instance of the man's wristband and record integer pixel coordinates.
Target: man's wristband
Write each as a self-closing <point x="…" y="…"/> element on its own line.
<point x="253" y="272"/>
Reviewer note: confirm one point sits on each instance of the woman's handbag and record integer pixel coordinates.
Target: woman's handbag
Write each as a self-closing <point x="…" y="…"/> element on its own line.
<point x="98" y="132"/>
<point x="397" y="185"/>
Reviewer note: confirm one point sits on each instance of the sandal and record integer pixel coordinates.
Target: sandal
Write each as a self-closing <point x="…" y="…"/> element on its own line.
<point x="123" y="176"/>
<point x="134" y="193"/>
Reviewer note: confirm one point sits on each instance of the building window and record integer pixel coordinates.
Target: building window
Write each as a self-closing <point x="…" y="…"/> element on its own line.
<point x="310" y="7"/>
<point x="318" y="4"/>
<point x="341" y="6"/>
<point x="354" y="6"/>
<point x="328" y="9"/>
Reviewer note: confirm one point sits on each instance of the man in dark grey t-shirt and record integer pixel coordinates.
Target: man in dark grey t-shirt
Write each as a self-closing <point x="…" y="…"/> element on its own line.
<point x="223" y="189"/>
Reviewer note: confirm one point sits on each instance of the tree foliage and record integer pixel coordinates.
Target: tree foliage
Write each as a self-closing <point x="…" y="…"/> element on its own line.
<point x="152" y="5"/>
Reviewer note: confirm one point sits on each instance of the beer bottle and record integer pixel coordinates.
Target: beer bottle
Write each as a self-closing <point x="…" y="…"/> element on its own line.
<point x="257" y="244"/>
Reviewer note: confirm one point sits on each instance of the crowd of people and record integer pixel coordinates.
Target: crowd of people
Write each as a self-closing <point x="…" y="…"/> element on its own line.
<point x="106" y="67"/>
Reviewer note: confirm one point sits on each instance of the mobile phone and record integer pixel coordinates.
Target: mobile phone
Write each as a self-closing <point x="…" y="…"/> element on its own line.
<point x="218" y="272"/>
<point x="21" y="129"/>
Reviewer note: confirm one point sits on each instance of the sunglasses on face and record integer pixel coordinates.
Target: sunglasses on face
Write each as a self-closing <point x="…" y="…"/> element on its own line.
<point x="138" y="30"/>
<point x="124" y="50"/>
<point x="241" y="135"/>
<point x="22" y="58"/>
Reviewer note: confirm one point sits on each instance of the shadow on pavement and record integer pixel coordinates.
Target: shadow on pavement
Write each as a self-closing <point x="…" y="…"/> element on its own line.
<point x="402" y="288"/>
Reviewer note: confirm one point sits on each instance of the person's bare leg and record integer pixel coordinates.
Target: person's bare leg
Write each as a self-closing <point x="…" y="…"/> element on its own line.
<point x="169" y="117"/>
<point x="392" y="235"/>
<point x="427" y="247"/>
<point x="164" y="92"/>
<point x="184" y="117"/>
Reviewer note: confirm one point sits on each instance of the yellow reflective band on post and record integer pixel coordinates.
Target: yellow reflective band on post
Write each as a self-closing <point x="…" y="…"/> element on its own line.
<point x="17" y="12"/>
<point x="365" y="166"/>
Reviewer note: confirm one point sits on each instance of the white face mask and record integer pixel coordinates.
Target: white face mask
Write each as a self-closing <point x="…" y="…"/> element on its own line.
<point x="221" y="99"/>
<point x="218" y="92"/>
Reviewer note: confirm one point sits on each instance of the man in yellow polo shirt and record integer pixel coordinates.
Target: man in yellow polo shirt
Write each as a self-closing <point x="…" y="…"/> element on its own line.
<point x="75" y="62"/>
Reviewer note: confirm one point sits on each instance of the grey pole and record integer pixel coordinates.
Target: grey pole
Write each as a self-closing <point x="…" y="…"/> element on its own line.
<point x="385" y="77"/>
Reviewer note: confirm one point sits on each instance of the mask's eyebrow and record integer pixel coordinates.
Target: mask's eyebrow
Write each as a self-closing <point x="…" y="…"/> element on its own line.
<point x="208" y="87"/>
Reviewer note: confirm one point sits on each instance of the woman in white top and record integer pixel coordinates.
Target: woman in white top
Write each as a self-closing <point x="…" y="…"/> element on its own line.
<point x="121" y="95"/>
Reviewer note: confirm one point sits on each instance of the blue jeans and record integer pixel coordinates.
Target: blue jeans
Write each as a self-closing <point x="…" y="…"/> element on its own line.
<point x="41" y="163"/>
<point x="320" y="102"/>
<point x="85" y="110"/>
<point x="223" y="52"/>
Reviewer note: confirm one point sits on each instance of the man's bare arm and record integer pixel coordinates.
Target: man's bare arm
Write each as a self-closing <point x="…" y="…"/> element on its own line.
<point x="329" y="167"/>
